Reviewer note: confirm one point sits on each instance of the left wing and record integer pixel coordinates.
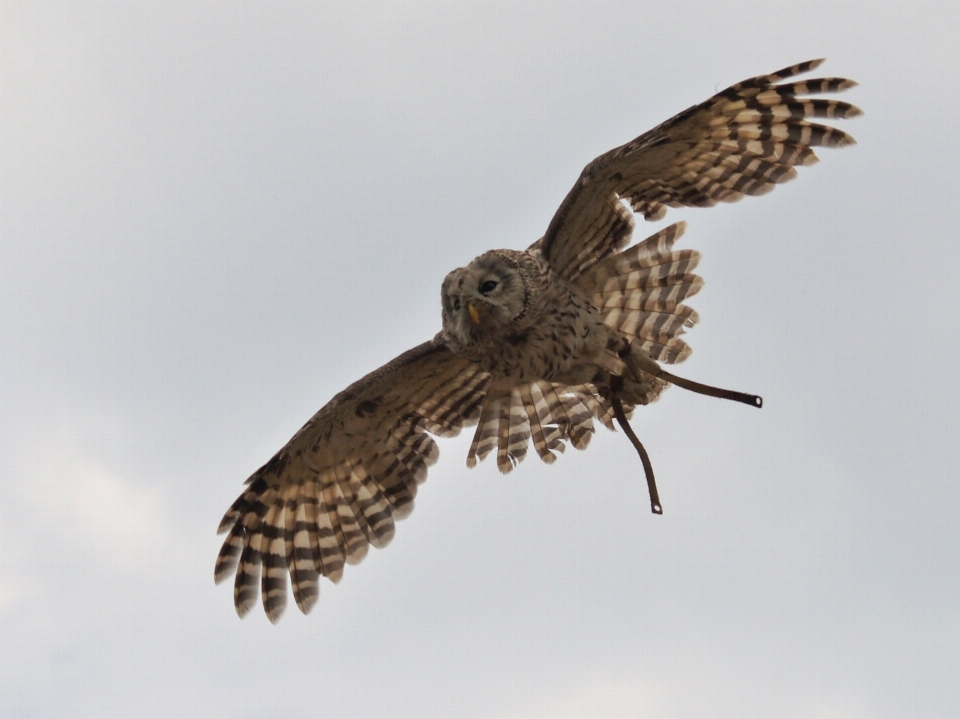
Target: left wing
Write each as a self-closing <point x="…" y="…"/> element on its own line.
<point x="742" y="141"/>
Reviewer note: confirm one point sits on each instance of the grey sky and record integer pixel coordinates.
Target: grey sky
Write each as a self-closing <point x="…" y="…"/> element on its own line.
<point x="213" y="217"/>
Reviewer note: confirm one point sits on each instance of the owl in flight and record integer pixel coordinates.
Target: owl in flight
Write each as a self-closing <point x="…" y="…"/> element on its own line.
<point x="535" y="343"/>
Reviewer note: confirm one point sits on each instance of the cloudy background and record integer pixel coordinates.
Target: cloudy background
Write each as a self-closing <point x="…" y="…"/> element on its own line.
<point x="213" y="217"/>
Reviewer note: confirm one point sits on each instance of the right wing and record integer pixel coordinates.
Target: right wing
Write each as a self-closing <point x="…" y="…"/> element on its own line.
<point x="341" y="481"/>
<point x="353" y="469"/>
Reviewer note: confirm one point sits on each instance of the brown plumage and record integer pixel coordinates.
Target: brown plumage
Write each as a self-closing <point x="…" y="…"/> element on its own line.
<point x="535" y="344"/>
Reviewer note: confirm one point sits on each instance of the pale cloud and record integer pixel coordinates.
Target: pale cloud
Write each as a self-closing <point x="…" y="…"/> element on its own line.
<point x="601" y="700"/>
<point x="86" y="503"/>
<point x="631" y="697"/>
<point x="11" y="586"/>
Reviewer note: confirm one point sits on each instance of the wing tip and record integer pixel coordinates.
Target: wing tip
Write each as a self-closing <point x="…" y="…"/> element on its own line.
<point x="307" y="603"/>
<point x="358" y="554"/>
<point x="243" y="607"/>
<point x="547" y="457"/>
<point x="802" y="67"/>
<point x="229" y="519"/>
<point x="843" y="139"/>
<point x="222" y="571"/>
<point x="402" y="511"/>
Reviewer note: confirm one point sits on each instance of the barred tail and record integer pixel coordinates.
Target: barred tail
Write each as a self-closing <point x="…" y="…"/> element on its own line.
<point x="640" y="291"/>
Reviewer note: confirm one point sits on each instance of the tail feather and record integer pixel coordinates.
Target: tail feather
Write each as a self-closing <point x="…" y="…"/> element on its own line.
<point x="514" y="433"/>
<point x="546" y="434"/>
<point x="579" y="419"/>
<point x="488" y="428"/>
<point x="626" y="290"/>
<point x="639" y="293"/>
<point x="547" y="413"/>
<point x="597" y="405"/>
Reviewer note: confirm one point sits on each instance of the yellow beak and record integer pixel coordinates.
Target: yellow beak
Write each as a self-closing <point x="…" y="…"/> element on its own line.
<point x="475" y="312"/>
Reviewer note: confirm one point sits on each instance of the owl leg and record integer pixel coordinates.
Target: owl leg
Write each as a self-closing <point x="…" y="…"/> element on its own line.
<point x="613" y="394"/>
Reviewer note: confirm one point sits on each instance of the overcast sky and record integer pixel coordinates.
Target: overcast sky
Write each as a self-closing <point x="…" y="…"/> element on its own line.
<point x="213" y="217"/>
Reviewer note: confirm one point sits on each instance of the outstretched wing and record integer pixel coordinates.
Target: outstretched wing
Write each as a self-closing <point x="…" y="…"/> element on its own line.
<point x="340" y="483"/>
<point x="741" y="141"/>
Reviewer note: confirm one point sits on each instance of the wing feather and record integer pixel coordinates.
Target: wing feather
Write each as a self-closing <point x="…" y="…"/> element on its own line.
<point x="304" y="575"/>
<point x="342" y="481"/>
<point x="742" y="141"/>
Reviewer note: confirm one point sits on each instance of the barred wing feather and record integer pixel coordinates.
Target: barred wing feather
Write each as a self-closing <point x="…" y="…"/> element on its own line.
<point x="340" y="483"/>
<point x="742" y="141"/>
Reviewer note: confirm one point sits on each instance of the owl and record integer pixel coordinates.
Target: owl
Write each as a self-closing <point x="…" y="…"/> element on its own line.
<point x="535" y="344"/>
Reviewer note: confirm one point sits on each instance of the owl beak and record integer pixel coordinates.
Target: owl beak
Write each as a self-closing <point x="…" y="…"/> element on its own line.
<point x="476" y="311"/>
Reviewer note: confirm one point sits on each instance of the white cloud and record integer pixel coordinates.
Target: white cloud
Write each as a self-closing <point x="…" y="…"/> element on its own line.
<point x="88" y="504"/>
<point x="630" y="698"/>
<point x="598" y="700"/>
<point x="11" y="589"/>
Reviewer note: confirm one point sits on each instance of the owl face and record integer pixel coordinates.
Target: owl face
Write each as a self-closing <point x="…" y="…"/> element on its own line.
<point x="482" y="299"/>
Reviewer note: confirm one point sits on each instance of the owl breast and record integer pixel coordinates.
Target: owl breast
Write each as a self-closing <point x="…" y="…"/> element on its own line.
<point x="557" y="347"/>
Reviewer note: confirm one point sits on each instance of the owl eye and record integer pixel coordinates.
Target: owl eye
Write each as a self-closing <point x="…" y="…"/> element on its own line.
<point x="488" y="287"/>
<point x="456" y="305"/>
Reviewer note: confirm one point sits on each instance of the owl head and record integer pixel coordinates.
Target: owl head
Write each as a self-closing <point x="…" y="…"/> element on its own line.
<point x="486" y="300"/>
